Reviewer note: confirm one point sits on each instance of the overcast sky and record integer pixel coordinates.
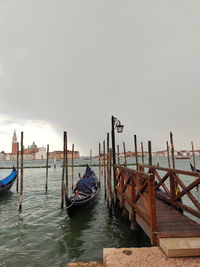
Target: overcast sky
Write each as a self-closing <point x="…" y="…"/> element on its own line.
<point x="70" y="65"/>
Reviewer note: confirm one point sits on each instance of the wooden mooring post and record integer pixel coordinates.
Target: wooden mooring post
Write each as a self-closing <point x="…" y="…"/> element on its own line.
<point x="168" y="154"/>
<point x="99" y="161"/>
<point x="175" y="183"/>
<point x="125" y="161"/>
<point x="142" y="148"/>
<point x="104" y="167"/>
<point x="109" y="192"/>
<point x="118" y="157"/>
<point x="194" y="161"/>
<point x="21" y="176"/>
<point x="109" y="171"/>
<point x="107" y="148"/>
<point x="90" y="157"/>
<point x="157" y="160"/>
<point x="66" y="167"/>
<point x="136" y="154"/>
<point x="47" y="167"/>
<point x="193" y="156"/>
<point x="17" y="183"/>
<point x="63" y="171"/>
<point x="72" y="166"/>
<point x="172" y="150"/>
<point x="150" y="152"/>
<point x="54" y="162"/>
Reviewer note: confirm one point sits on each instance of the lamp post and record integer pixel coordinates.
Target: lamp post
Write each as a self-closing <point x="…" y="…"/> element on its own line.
<point x="115" y="123"/>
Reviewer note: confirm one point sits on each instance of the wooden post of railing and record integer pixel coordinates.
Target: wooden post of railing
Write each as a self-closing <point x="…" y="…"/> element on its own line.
<point x="72" y="166"/>
<point x="168" y="153"/>
<point x="104" y="167"/>
<point x="125" y="161"/>
<point x="149" y="153"/>
<point x="17" y="184"/>
<point x="172" y="150"/>
<point x="47" y="167"/>
<point x="118" y="158"/>
<point x="99" y="161"/>
<point x="153" y="218"/>
<point x="172" y="189"/>
<point x="21" y="182"/>
<point x="136" y="155"/>
<point x="63" y="171"/>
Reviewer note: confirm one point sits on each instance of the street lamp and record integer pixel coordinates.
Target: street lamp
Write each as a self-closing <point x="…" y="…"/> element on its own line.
<point x="119" y="127"/>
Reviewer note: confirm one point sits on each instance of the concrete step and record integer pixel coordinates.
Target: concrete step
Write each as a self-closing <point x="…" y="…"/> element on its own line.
<point x="181" y="247"/>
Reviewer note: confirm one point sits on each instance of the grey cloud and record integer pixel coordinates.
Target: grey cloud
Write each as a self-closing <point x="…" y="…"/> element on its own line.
<point x="75" y="63"/>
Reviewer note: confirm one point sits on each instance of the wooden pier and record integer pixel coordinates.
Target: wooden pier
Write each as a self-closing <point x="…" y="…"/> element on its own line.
<point x="153" y="196"/>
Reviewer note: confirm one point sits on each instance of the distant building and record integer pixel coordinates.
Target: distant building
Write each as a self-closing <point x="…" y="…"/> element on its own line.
<point x="14" y="144"/>
<point x="33" y="152"/>
<point x="59" y="154"/>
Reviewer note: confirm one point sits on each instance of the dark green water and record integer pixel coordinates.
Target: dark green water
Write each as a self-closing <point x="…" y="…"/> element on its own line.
<point x="43" y="234"/>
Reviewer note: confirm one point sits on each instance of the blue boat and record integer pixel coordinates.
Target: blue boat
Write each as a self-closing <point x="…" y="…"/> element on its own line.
<point x="84" y="193"/>
<point x="6" y="183"/>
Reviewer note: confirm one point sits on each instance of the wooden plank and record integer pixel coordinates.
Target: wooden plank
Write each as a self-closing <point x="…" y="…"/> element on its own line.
<point x="143" y="225"/>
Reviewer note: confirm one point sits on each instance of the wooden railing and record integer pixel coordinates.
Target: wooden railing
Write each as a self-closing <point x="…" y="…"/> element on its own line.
<point x="132" y="187"/>
<point x="137" y="191"/>
<point x="174" y="188"/>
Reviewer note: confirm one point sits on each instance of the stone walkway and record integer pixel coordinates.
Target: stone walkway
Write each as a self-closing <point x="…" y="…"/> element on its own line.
<point x="140" y="257"/>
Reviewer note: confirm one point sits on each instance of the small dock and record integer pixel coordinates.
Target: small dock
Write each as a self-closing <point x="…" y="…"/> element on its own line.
<point x="153" y="198"/>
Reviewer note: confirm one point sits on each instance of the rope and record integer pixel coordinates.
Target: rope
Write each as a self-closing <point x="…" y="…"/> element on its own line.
<point x="72" y="202"/>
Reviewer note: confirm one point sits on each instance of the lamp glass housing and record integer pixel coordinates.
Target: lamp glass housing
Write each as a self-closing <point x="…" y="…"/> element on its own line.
<point x="119" y="127"/>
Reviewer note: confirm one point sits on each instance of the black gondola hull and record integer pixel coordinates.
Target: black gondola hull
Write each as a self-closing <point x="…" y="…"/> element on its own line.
<point x="6" y="189"/>
<point x="73" y="205"/>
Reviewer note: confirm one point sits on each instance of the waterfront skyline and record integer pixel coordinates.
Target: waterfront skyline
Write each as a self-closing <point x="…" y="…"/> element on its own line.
<point x="71" y="65"/>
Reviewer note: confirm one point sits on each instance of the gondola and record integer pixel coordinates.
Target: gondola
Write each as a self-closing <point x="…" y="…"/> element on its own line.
<point x="84" y="193"/>
<point x="6" y="183"/>
<point x="193" y="168"/>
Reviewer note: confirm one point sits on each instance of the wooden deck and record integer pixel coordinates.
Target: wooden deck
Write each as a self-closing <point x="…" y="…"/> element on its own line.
<point x="172" y="223"/>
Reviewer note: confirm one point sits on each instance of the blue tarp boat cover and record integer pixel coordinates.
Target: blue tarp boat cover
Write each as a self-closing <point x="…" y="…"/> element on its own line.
<point x="88" y="181"/>
<point x="9" y="178"/>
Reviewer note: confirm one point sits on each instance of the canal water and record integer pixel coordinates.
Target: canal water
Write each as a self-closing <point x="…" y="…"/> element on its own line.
<point x="43" y="234"/>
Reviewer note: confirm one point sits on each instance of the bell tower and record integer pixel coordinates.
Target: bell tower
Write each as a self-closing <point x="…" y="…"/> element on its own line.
<point x="14" y="143"/>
